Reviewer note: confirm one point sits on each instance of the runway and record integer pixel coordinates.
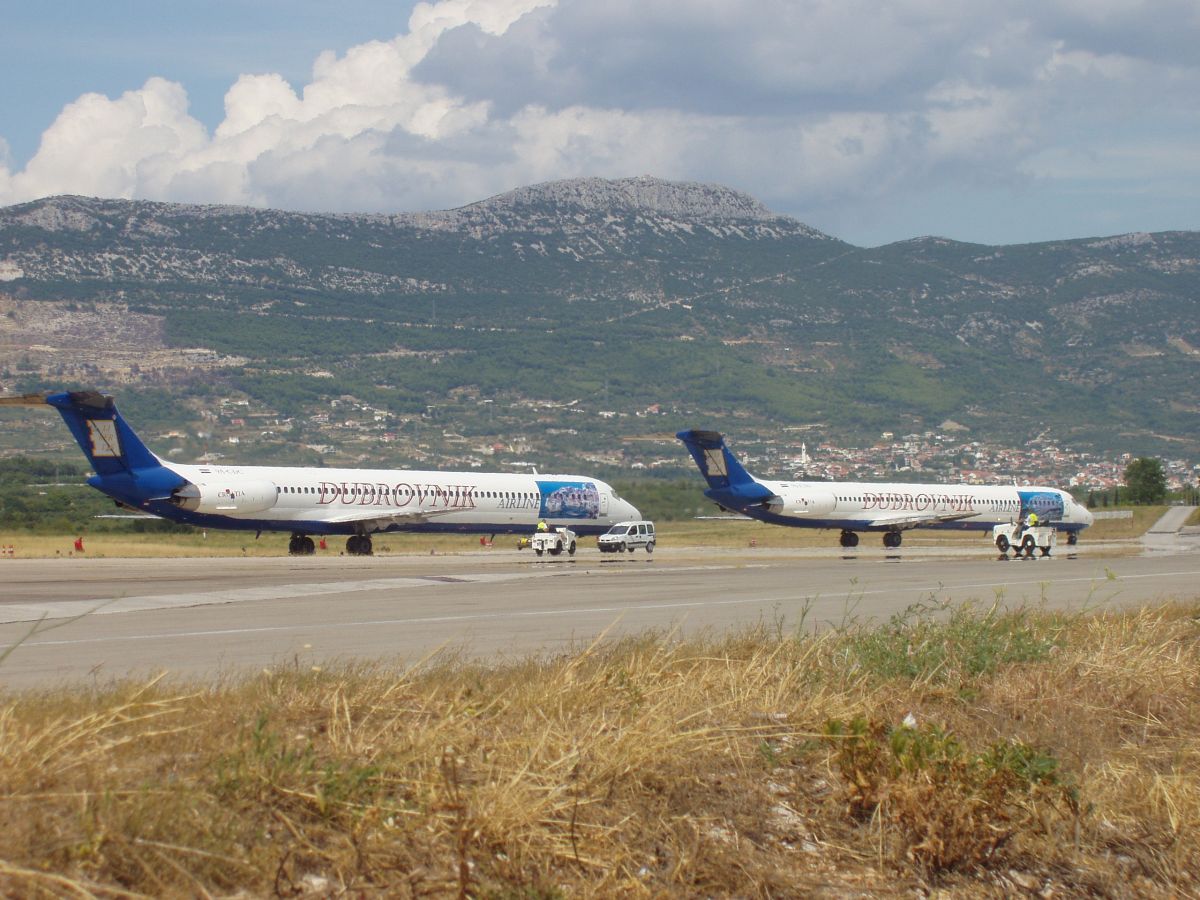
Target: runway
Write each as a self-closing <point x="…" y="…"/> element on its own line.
<point x="91" y="621"/>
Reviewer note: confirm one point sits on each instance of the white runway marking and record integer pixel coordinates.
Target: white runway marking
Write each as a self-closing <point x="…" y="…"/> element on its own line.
<point x="67" y="609"/>
<point x="381" y="584"/>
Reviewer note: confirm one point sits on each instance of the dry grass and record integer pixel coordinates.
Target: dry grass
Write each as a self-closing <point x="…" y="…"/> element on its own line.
<point x="1125" y="529"/>
<point x="223" y="543"/>
<point x="103" y="545"/>
<point x="1043" y="754"/>
<point x="685" y="534"/>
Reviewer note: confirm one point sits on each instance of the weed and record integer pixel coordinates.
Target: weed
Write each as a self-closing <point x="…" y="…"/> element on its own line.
<point x="940" y="643"/>
<point x="948" y="808"/>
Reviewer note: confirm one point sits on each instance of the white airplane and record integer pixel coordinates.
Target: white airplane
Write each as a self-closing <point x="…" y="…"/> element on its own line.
<point x="308" y="501"/>
<point x="866" y="506"/>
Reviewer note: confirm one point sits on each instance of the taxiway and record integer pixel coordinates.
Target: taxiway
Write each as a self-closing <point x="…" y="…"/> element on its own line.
<point x="96" y="620"/>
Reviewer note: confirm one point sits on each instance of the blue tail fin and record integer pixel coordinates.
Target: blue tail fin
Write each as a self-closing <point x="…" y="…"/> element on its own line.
<point x="717" y="464"/>
<point x="108" y="442"/>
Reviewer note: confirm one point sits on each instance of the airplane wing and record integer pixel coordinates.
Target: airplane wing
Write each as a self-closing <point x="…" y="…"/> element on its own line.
<point x="904" y="521"/>
<point x="382" y="518"/>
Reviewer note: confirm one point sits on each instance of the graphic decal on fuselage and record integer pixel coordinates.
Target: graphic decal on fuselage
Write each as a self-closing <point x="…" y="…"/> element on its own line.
<point x="1047" y="505"/>
<point x="569" y="500"/>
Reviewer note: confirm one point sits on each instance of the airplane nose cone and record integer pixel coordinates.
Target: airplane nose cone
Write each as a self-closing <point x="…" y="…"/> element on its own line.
<point x="629" y="511"/>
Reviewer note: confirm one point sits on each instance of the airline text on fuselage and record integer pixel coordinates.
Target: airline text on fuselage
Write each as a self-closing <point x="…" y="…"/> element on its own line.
<point x="919" y="502"/>
<point x="364" y="493"/>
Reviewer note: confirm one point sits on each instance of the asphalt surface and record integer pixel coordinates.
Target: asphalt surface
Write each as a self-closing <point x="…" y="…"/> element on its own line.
<point x="91" y="621"/>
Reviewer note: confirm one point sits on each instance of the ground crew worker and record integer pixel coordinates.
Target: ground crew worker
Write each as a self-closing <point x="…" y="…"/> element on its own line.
<point x="1031" y="520"/>
<point x="542" y="526"/>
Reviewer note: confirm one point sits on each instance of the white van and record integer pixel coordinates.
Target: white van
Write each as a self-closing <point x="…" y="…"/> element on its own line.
<point x="627" y="536"/>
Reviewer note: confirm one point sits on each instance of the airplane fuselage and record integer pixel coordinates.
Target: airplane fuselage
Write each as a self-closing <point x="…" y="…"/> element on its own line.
<point x="892" y="508"/>
<point x="319" y="501"/>
<point x="872" y="506"/>
<point x="349" y="501"/>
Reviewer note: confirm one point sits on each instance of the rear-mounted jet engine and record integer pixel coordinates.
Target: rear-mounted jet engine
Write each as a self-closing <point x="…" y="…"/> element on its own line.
<point x="240" y="495"/>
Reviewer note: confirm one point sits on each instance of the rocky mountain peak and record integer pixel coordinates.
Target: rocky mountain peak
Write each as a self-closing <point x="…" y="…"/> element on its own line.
<point x="644" y="194"/>
<point x="64" y="213"/>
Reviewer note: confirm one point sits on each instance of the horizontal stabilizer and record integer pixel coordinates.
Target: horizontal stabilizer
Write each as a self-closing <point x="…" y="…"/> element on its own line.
<point x="24" y="400"/>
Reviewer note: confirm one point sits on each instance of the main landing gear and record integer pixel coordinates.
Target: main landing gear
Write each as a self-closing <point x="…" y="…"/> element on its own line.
<point x="359" y="545"/>
<point x="301" y="545"/>
<point x="891" y="539"/>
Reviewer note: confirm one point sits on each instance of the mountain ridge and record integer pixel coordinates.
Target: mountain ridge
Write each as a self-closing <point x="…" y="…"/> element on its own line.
<point x="698" y="200"/>
<point x="687" y="297"/>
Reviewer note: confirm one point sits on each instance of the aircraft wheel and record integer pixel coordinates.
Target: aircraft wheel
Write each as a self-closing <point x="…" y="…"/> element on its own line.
<point x="650" y="546"/>
<point x="849" y="539"/>
<point x="307" y="547"/>
<point x="891" y="539"/>
<point x="1073" y="538"/>
<point x="358" y="545"/>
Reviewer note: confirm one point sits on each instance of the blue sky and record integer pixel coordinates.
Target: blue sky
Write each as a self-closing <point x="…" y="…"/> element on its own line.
<point x="872" y="121"/>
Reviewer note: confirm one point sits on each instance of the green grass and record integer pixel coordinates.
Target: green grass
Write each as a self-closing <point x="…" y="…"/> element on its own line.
<point x="941" y="644"/>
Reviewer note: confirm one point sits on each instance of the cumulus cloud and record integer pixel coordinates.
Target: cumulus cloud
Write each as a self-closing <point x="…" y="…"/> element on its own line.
<point x="813" y="105"/>
<point x="145" y="144"/>
<point x="114" y="148"/>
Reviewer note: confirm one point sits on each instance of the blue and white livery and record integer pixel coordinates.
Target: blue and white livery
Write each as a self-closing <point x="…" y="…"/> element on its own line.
<point x="309" y="501"/>
<point x="866" y="506"/>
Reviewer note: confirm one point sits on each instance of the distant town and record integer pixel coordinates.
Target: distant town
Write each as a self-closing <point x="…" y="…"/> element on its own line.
<point x="350" y="432"/>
